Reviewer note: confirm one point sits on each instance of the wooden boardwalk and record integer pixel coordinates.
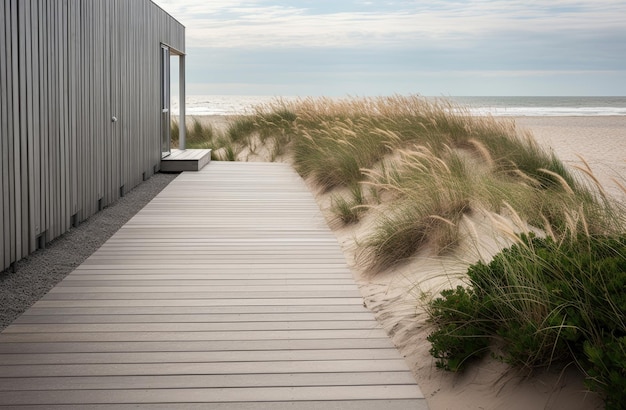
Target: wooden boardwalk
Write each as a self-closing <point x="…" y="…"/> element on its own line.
<point x="227" y="291"/>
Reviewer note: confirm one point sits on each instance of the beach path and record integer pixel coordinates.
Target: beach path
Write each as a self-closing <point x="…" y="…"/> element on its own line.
<point x="227" y="289"/>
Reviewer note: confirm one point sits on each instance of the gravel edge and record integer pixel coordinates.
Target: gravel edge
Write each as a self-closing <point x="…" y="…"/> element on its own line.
<point x="40" y="271"/>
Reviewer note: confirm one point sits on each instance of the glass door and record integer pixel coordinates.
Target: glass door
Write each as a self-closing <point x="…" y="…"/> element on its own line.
<point x="165" y="101"/>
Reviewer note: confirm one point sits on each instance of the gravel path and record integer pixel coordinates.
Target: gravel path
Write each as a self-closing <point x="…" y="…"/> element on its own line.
<point x="39" y="272"/>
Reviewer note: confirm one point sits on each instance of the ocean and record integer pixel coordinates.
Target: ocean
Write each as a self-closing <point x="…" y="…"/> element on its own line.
<point x="496" y="106"/>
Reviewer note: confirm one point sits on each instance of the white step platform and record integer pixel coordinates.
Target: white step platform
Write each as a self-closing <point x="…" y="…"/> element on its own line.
<point x="186" y="160"/>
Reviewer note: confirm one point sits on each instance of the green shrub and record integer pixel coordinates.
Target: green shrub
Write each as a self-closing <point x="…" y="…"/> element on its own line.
<point x="545" y="303"/>
<point x="458" y="338"/>
<point x="607" y="369"/>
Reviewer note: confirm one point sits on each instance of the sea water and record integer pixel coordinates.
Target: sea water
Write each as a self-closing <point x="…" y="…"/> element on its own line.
<point x="544" y="106"/>
<point x="497" y="106"/>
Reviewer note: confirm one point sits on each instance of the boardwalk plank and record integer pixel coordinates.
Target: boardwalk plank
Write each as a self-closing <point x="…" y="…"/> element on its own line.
<point x="198" y="280"/>
<point x="254" y="367"/>
<point x="153" y="288"/>
<point x="233" y="311"/>
<point x="329" y="294"/>
<point x="250" y="394"/>
<point x="201" y="318"/>
<point x="203" y="381"/>
<point x="185" y="336"/>
<point x="194" y="346"/>
<point x="196" y="357"/>
<point x="387" y="404"/>
<point x="187" y="327"/>
<point x="287" y="301"/>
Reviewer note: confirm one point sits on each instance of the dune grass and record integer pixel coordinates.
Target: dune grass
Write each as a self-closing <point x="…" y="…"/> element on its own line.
<point x="430" y="159"/>
<point x="434" y="160"/>
<point x="204" y="136"/>
<point x="349" y="208"/>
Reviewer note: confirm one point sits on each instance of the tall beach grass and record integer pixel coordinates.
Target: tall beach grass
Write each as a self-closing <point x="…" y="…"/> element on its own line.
<point x="202" y="135"/>
<point x="433" y="160"/>
<point x="430" y="160"/>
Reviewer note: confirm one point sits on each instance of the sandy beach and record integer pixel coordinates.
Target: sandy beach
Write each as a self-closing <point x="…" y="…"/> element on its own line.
<point x="601" y="141"/>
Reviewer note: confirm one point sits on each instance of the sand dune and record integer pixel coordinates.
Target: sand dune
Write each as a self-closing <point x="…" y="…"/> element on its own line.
<point x="394" y="295"/>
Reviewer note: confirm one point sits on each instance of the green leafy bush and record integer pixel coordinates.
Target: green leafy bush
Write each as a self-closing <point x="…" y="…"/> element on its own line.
<point x="544" y="303"/>
<point x="607" y="369"/>
<point x="458" y="337"/>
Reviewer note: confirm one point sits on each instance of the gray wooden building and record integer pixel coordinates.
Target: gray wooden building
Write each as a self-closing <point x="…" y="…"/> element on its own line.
<point x="84" y="98"/>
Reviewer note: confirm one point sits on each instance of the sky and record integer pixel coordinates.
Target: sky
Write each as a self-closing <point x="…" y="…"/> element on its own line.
<point x="431" y="48"/>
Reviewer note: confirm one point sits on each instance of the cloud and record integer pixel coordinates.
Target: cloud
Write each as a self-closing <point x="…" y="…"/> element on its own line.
<point x="352" y="46"/>
<point x="358" y="24"/>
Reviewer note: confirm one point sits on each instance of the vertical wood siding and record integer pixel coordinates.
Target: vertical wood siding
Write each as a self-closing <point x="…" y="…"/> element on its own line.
<point x="66" y="68"/>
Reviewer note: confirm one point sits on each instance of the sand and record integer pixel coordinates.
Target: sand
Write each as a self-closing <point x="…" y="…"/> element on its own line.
<point x="601" y="141"/>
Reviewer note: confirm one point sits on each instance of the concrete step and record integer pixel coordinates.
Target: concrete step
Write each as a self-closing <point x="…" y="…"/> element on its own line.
<point x="186" y="160"/>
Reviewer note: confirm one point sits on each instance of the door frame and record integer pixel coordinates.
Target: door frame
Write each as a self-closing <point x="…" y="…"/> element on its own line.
<point x="166" y="117"/>
<point x="165" y="101"/>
